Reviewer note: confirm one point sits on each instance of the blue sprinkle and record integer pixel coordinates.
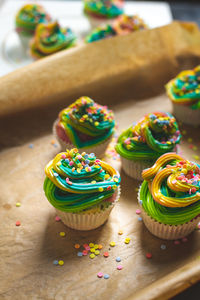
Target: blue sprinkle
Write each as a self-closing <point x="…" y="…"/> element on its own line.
<point x="92" y="154"/>
<point x="67" y="160"/>
<point x="55" y="174"/>
<point x="79" y="254"/>
<point x="86" y="156"/>
<point x="163" y="247"/>
<point x="55" y="145"/>
<point x="31" y="146"/>
<point x="118" y="259"/>
<point x="55" y="262"/>
<point x="139" y="219"/>
<point x="87" y="161"/>
<point x="86" y="166"/>
<point x="106" y="276"/>
<point x="140" y="201"/>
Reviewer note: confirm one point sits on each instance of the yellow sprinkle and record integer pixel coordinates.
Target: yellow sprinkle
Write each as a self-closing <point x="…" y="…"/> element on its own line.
<point x="168" y="142"/>
<point x="62" y="233"/>
<point x="92" y="250"/>
<point x="100" y="189"/>
<point x="97" y="252"/>
<point x="196" y="157"/>
<point x="112" y="244"/>
<point x="120" y="232"/>
<point x="83" y="153"/>
<point x="126" y="241"/>
<point x="92" y="255"/>
<point x="78" y="170"/>
<point x="128" y="147"/>
<point x="128" y="238"/>
<point x="61" y="262"/>
<point x="91" y="245"/>
<point x="18" y="204"/>
<point x="96" y="123"/>
<point x="115" y="179"/>
<point x="189" y="140"/>
<point x="107" y="176"/>
<point x="184" y="171"/>
<point x="96" y="246"/>
<point x="93" y="182"/>
<point x="114" y="186"/>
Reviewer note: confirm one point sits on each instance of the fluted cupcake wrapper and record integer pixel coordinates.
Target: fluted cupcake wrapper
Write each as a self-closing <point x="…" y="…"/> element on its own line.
<point x="25" y="40"/>
<point x="134" y="168"/>
<point x="164" y="231"/>
<point x="87" y="221"/>
<point x="186" y="115"/>
<point x="98" y="150"/>
<point x="96" y="22"/>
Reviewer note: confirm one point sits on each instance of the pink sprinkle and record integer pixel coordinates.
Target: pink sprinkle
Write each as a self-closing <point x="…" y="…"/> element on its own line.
<point x="87" y="248"/>
<point x="63" y="156"/>
<point x="177" y="242"/>
<point x="198" y="225"/>
<point x="85" y="252"/>
<point x="71" y="163"/>
<point x="148" y="255"/>
<point x="89" y="169"/>
<point x="119" y="267"/>
<point x="97" y="160"/>
<point x="67" y="179"/>
<point x="173" y="181"/>
<point x="193" y="190"/>
<point x="85" y="245"/>
<point x="18" y="223"/>
<point x="57" y="218"/>
<point x="79" y="157"/>
<point x="100" y="275"/>
<point x="138" y="211"/>
<point x="184" y="239"/>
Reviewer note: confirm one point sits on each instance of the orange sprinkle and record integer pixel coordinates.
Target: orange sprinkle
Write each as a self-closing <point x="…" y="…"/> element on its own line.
<point x="77" y="246"/>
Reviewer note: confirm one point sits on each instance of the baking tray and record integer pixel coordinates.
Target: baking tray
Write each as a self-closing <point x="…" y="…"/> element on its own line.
<point x="28" y="251"/>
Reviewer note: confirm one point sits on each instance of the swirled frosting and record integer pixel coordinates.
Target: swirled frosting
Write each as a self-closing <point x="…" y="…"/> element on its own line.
<point x="29" y="16"/>
<point x="170" y="191"/>
<point x="156" y="133"/>
<point x="77" y="182"/>
<point x="103" y="8"/>
<point x="127" y="24"/>
<point x="99" y="33"/>
<point x="185" y="88"/>
<point x="51" y="38"/>
<point x="86" y="123"/>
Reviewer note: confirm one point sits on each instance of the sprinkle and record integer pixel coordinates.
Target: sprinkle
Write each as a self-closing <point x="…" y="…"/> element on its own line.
<point x="138" y="211"/>
<point x="62" y="233"/>
<point x="97" y="252"/>
<point x="61" y="262"/>
<point x="100" y="189"/>
<point x="55" y="174"/>
<point x="87" y="248"/>
<point x="57" y="218"/>
<point x="100" y="275"/>
<point x="193" y="190"/>
<point x="92" y="250"/>
<point x="106" y="254"/>
<point x="140" y="202"/>
<point x="71" y="163"/>
<point x="93" y="182"/>
<point x="106" y="276"/>
<point x="79" y="254"/>
<point x="85" y="252"/>
<point x="31" y="146"/>
<point x="55" y="145"/>
<point x="76" y="246"/>
<point x="139" y="219"/>
<point x="63" y="156"/>
<point x="148" y="255"/>
<point x="118" y="259"/>
<point x="55" y="262"/>
<point x="112" y="244"/>
<point x="96" y="246"/>
<point x="92" y="255"/>
<point x="18" y="223"/>
<point x="85" y="245"/>
<point x="189" y="140"/>
<point x="120" y="232"/>
<point x="52" y="142"/>
<point x="163" y="247"/>
<point x="196" y="157"/>
<point x="177" y="242"/>
<point x="198" y="225"/>
<point x="18" y="204"/>
<point x="91" y="245"/>
<point x="96" y="123"/>
<point x="119" y="267"/>
<point x="100" y="246"/>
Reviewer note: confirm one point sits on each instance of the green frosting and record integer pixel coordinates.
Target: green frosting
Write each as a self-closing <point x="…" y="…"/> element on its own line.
<point x="99" y="33"/>
<point x="155" y="134"/>
<point x="78" y="182"/>
<point x="104" y="8"/>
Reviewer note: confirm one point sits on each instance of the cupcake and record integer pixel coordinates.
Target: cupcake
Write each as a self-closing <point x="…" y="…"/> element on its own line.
<point x="184" y="92"/>
<point x="140" y="145"/>
<point x="85" y="125"/>
<point x="82" y="189"/>
<point x="51" y="38"/>
<point x="127" y="24"/>
<point x="169" y="197"/>
<point x="27" y="18"/>
<point x="99" y="33"/>
<point x="102" y="11"/>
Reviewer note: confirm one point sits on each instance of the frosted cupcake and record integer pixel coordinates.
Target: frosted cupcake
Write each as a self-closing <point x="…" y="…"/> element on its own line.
<point x="140" y="145"/>
<point x="99" y="33"/>
<point x="127" y="24"/>
<point x="169" y="197"/>
<point x="184" y="92"/>
<point x="51" y="38"/>
<point x="82" y="189"/>
<point x="27" y="18"/>
<point x="102" y="11"/>
<point x="85" y="125"/>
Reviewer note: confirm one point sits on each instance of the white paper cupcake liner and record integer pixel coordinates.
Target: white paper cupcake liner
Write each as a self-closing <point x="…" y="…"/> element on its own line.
<point x="134" y="168"/>
<point x="25" y="41"/>
<point x="164" y="231"/>
<point x="186" y="115"/>
<point x="87" y="221"/>
<point x="96" y="22"/>
<point x="98" y="150"/>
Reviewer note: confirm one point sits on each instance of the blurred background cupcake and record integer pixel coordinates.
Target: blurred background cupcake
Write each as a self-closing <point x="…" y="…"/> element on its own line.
<point x="51" y="38"/>
<point x="140" y="145"/>
<point x="27" y="18"/>
<point x="169" y="197"/>
<point x="127" y="24"/>
<point x="99" y="33"/>
<point x="102" y="11"/>
<point x="184" y="92"/>
<point x="83" y="189"/>
<point x="85" y="125"/>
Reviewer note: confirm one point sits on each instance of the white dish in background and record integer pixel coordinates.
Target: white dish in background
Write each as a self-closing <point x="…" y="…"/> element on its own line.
<point x="68" y="13"/>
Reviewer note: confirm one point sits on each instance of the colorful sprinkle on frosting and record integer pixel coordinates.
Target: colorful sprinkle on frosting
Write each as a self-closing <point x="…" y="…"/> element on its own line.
<point x="104" y="8"/>
<point x="185" y="88"/>
<point x="51" y="38"/>
<point x="155" y="134"/>
<point x="127" y="24"/>
<point x="78" y="182"/>
<point x="170" y="192"/>
<point x="86" y="123"/>
<point x="28" y="17"/>
<point x="99" y="33"/>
